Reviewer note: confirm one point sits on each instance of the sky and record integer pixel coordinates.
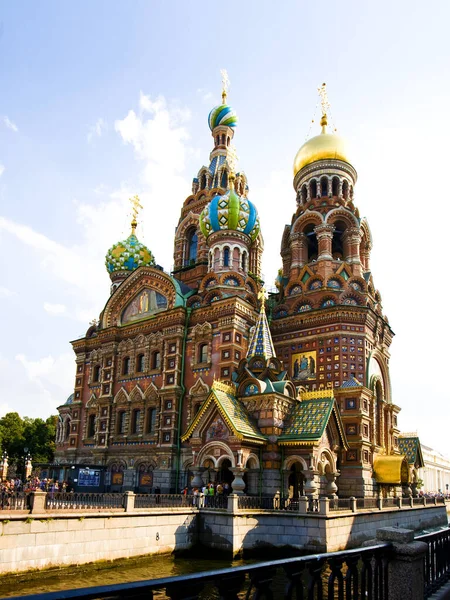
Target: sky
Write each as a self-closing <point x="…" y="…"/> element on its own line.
<point x="103" y="100"/>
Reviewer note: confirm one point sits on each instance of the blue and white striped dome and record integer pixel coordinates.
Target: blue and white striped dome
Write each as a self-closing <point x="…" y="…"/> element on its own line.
<point x="222" y="115"/>
<point x="230" y="211"/>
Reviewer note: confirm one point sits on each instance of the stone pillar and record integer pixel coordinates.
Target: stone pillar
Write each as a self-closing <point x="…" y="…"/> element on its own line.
<point x="406" y="567"/>
<point x="129" y="501"/>
<point x="310" y="487"/>
<point x="303" y="505"/>
<point x="324" y="235"/>
<point x="38" y="502"/>
<point x="232" y="506"/>
<point x="353" y="505"/>
<point x="331" y="485"/>
<point x="324" y="506"/>
<point x="238" y="484"/>
<point x="197" y="480"/>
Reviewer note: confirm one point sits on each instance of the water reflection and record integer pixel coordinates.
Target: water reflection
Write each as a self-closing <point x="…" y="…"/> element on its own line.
<point x="122" y="571"/>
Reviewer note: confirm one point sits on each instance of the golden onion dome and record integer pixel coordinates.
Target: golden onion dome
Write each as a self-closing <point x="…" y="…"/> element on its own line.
<point x="322" y="146"/>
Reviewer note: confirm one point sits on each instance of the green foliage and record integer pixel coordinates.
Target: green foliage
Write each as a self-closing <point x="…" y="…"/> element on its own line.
<point x="35" y="434"/>
<point x="419" y="483"/>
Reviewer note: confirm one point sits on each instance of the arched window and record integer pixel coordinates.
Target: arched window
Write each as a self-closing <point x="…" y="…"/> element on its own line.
<point x="203" y="182"/>
<point x="335" y="186"/>
<point x="217" y="140"/>
<point x="96" y="376"/>
<point x="337" y="247"/>
<point x="244" y="261"/>
<point x="126" y="365"/>
<point x="345" y="189"/>
<point x="226" y="257"/>
<point x="313" y="246"/>
<point x="324" y="187"/>
<point x="151" y="420"/>
<point x="203" y="353"/>
<point x="136" y="421"/>
<point x="140" y="363"/>
<point x="67" y="430"/>
<point x="191" y="249"/>
<point x="91" y="426"/>
<point x="224" y="181"/>
<point x="156" y="360"/>
<point x="228" y="141"/>
<point x="313" y="189"/>
<point x="304" y="193"/>
<point x="121" y="419"/>
<point x="223" y="139"/>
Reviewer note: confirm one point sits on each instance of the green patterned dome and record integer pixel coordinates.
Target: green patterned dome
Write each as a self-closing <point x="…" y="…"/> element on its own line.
<point x="128" y="256"/>
<point x="230" y="212"/>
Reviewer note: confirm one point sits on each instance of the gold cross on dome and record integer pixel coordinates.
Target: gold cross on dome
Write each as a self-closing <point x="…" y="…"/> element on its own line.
<point x="135" y="207"/>
<point x="225" y="84"/>
<point x="324" y="98"/>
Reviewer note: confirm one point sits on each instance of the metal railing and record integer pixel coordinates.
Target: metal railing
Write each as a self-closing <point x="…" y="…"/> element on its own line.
<point x="14" y="501"/>
<point x="82" y="501"/>
<point x="162" y="500"/>
<point x="437" y="560"/>
<point x="340" y="504"/>
<point x="350" y="574"/>
<point x="363" y="503"/>
<point x="390" y="503"/>
<point x="257" y="502"/>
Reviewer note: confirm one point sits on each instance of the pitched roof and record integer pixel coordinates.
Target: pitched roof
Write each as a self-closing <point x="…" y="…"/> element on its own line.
<point x="410" y="447"/>
<point x="261" y="343"/>
<point x="309" y="418"/>
<point x="232" y="410"/>
<point x="352" y="382"/>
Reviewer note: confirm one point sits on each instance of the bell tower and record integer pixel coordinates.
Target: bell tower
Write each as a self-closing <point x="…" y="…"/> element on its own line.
<point x="328" y="323"/>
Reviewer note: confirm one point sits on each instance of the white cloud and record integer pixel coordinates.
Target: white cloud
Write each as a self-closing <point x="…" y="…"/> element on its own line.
<point x="97" y="129"/>
<point x="10" y="125"/>
<point x="2" y="169"/>
<point x="5" y="292"/>
<point x="54" y="309"/>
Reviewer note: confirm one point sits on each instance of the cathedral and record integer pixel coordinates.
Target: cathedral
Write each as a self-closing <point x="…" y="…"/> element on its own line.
<point x="198" y="376"/>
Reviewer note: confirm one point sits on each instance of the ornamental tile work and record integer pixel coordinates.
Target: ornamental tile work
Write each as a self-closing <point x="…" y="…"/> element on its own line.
<point x="308" y="419"/>
<point x="410" y="447"/>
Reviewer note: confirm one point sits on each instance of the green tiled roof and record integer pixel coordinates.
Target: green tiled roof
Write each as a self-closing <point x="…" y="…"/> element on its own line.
<point x="237" y="415"/>
<point x="308" y="420"/>
<point x="410" y="447"/>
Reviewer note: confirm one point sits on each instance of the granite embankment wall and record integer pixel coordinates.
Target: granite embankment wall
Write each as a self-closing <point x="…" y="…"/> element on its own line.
<point x="317" y="533"/>
<point x="52" y="539"/>
<point x="57" y="540"/>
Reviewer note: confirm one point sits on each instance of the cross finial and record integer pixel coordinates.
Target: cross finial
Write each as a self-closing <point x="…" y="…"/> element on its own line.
<point x="325" y="105"/>
<point x="262" y="297"/>
<point x="225" y="84"/>
<point x="135" y="206"/>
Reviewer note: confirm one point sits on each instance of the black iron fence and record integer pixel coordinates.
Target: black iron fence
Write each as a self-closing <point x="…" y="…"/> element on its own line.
<point x="82" y="501"/>
<point x="14" y="501"/>
<point x="350" y="574"/>
<point x="437" y="560"/>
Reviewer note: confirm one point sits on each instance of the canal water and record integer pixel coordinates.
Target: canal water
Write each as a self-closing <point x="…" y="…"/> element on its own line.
<point x="109" y="573"/>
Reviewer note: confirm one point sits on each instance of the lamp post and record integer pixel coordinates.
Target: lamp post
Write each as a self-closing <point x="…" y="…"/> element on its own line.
<point x="28" y="466"/>
<point x="4" y="466"/>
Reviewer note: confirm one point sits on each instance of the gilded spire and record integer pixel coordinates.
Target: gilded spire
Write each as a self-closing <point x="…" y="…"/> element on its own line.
<point x="225" y="85"/>
<point x="136" y="205"/>
<point x="261" y="343"/>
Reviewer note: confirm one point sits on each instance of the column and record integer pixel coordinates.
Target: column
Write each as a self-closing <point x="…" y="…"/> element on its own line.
<point x="238" y="484"/>
<point x="324" y="235"/>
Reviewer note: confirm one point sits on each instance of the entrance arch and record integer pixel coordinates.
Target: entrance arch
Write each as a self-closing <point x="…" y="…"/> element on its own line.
<point x="296" y="480"/>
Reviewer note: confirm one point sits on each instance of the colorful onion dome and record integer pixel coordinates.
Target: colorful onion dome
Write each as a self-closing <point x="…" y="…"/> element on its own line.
<point x="322" y="146"/>
<point x="128" y="255"/>
<point x="222" y="115"/>
<point x="230" y="212"/>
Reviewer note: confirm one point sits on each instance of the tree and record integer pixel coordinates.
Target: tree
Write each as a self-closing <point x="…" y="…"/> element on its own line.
<point x="37" y="435"/>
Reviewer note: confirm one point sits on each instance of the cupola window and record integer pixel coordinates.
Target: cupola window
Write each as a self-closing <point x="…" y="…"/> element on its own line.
<point x="203" y="182"/>
<point x="338" y="250"/>
<point x="313" y="189"/>
<point x="324" y="187"/>
<point x="313" y="247"/>
<point x="192" y="245"/>
<point x="226" y="257"/>
<point x="335" y="186"/>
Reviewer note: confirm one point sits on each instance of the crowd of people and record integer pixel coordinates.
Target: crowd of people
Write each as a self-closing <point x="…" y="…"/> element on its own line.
<point x="211" y="494"/>
<point x="11" y="488"/>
